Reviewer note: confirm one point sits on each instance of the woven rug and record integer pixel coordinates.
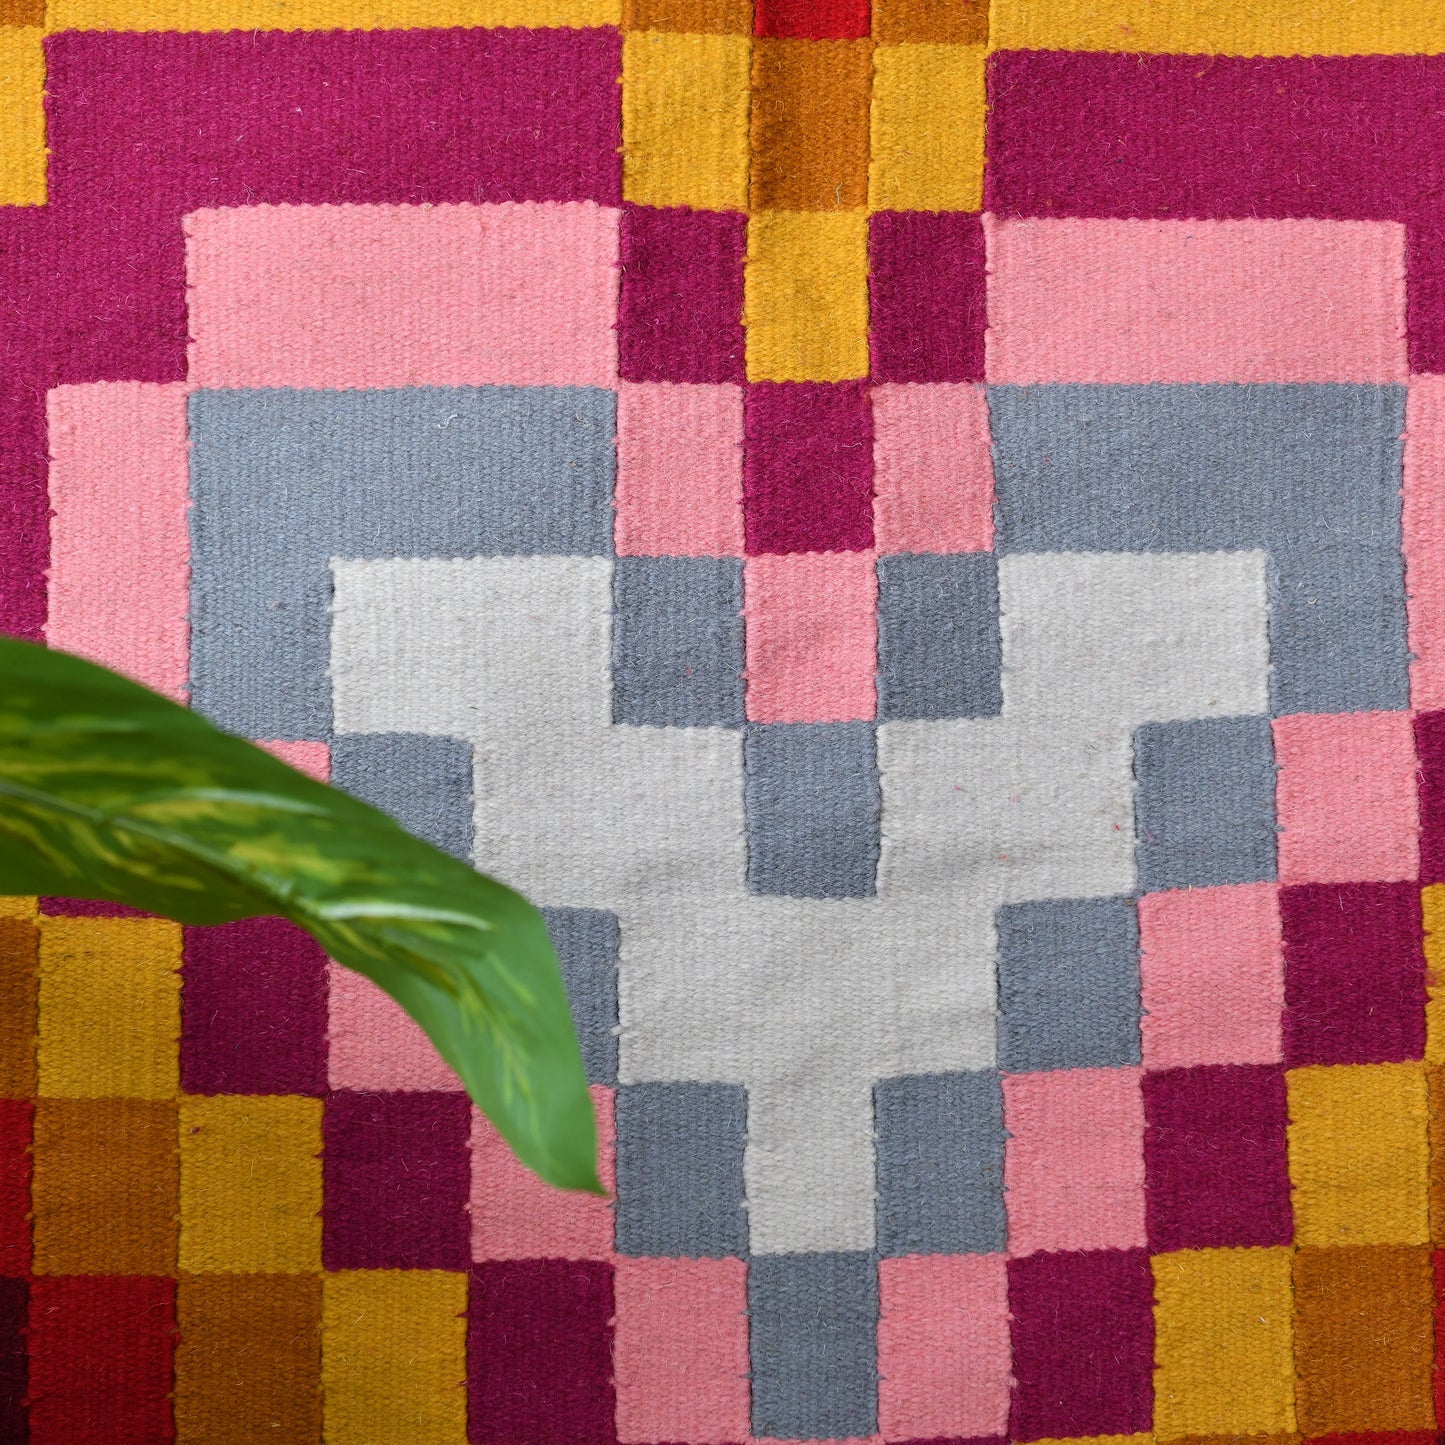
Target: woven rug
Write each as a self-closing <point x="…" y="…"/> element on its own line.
<point x="917" y="534"/>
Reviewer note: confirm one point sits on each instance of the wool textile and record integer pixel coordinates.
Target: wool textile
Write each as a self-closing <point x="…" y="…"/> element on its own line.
<point x="915" y="531"/>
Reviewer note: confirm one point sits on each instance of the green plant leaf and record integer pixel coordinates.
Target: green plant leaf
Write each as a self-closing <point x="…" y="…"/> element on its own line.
<point x="110" y="791"/>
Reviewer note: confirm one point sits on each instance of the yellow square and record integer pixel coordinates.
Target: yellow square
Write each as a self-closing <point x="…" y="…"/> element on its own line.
<point x="110" y="1008"/>
<point x="927" y="128"/>
<point x="806" y="296"/>
<point x="1219" y="27"/>
<point x="1096" y="1440"/>
<point x="22" y="116"/>
<point x="394" y="1357"/>
<point x="324" y="14"/>
<point x="685" y="120"/>
<point x="250" y="1184"/>
<point x="1432" y="909"/>
<point x="1359" y="1154"/>
<point x="19" y="907"/>
<point x="1224" y="1343"/>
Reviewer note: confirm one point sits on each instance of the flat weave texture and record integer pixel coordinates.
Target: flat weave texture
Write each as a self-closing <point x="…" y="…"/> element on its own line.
<point x="915" y="531"/>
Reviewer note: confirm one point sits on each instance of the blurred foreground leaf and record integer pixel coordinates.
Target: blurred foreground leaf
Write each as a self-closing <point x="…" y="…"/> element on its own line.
<point x="110" y="791"/>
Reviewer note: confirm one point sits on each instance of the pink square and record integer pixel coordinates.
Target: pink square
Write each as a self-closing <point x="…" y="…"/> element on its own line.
<point x="943" y="1346"/>
<point x="1423" y="525"/>
<point x="811" y="622"/>
<point x="119" y="548"/>
<point x="679" y="470"/>
<point x="374" y="1044"/>
<point x="1074" y="1164"/>
<point x="1102" y="300"/>
<point x="521" y="294"/>
<point x="680" y="1349"/>
<point x="1212" y="967"/>
<point x="516" y="1216"/>
<point x="1346" y="798"/>
<point x="932" y="469"/>
<point x="313" y="759"/>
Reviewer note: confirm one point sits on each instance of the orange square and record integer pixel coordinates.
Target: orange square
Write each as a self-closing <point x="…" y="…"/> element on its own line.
<point x="106" y="1190"/>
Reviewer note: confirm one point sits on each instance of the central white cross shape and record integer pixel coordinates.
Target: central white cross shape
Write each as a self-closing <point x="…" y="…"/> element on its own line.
<point x="805" y="1002"/>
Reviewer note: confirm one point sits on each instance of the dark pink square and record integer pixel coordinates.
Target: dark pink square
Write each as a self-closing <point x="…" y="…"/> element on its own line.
<point x="1083" y="1344"/>
<point x="680" y="310"/>
<point x="926" y="296"/>
<point x="1354" y="973"/>
<point x="253" y="1010"/>
<point x="89" y="908"/>
<point x="1430" y="751"/>
<point x="1216" y="1168"/>
<point x="397" y="1174"/>
<point x="539" y="1352"/>
<point x="808" y="467"/>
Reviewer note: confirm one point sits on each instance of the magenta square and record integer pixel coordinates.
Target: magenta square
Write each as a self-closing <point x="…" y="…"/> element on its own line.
<point x="394" y="116"/>
<point x="680" y="312"/>
<point x="1430" y="752"/>
<point x="926" y="294"/>
<point x="1354" y="973"/>
<point x="88" y="908"/>
<point x="1327" y="137"/>
<point x="253" y="1010"/>
<point x="1215" y="1160"/>
<point x="808" y="467"/>
<point x="397" y="1175"/>
<point x="539" y="1352"/>
<point x="1425" y="286"/>
<point x="24" y="501"/>
<point x="1083" y="1344"/>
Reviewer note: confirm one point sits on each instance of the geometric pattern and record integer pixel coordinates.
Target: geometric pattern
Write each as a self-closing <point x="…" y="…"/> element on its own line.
<point x="912" y="530"/>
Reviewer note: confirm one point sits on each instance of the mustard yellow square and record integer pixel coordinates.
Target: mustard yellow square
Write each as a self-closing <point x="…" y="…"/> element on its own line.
<point x="325" y="14"/>
<point x="22" y="116"/>
<point x="1224" y="1343"/>
<point x="394" y="1357"/>
<point x="1359" y="1154"/>
<point x="250" y="1184"/>
<point x="806" y="296"/>
<point x="1096" y="1440"/>
<point x="1432" y="909"/>
<point x="1219" y="27"/>
<point x="927" y="128"/>
<point x="109" y="1008"/>
<point x="685" y="120"/>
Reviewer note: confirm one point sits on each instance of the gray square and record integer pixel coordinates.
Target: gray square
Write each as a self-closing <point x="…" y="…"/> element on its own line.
<point x="940" y="1164"/>
<point x="814" y="807"/>
<point x="677" y="641"/>
<point x="1204" y="803"/>
<point x="939" y="653"/>
<point x="1068" y="984"/>
<point x="587" y="941"/>
<point x="680" y="1170"/>
<point x="424" y="782"/>
<point x="813" y="1325"/>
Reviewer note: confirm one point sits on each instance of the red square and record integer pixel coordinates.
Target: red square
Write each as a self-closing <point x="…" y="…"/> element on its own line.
<point x="16" y="1121"/>
<point x="812" y="19"/>
<point x="101" y="1352"/>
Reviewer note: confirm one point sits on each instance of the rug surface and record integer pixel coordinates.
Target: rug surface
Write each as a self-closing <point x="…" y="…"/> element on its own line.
<point x="917" y="533"/>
